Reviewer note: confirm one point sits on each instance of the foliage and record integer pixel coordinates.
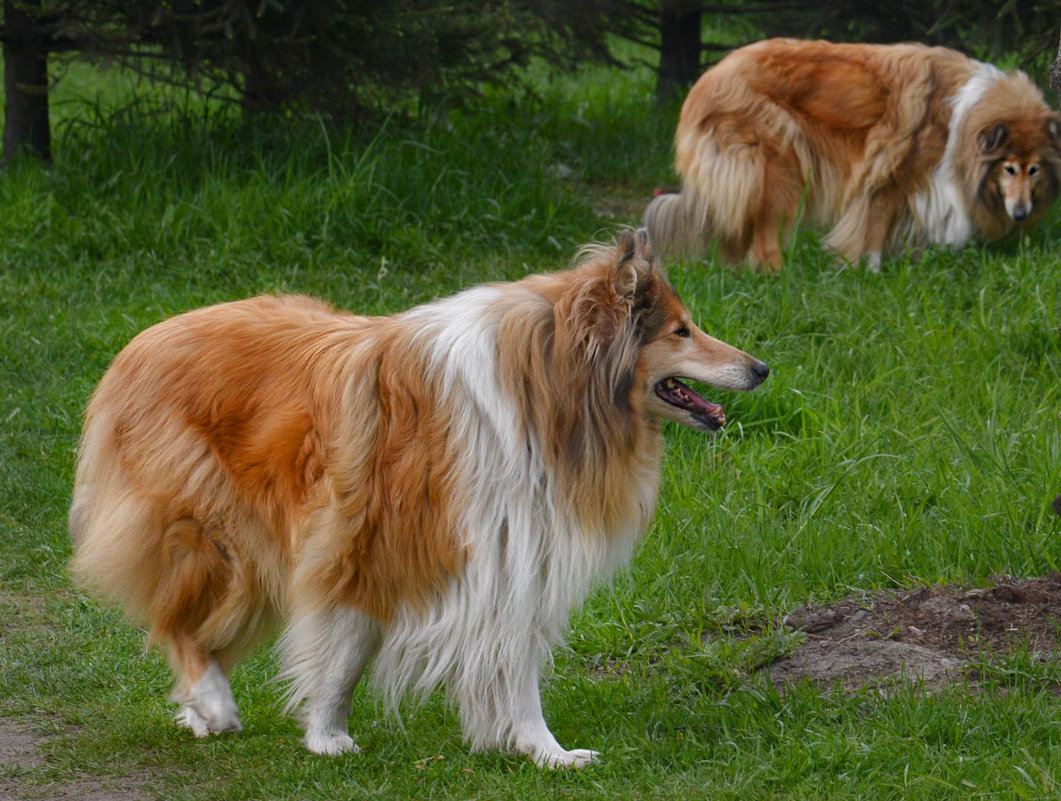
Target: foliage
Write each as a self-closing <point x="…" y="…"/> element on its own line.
<point x="1020" y="31"/>
<point x="338" y="57"/>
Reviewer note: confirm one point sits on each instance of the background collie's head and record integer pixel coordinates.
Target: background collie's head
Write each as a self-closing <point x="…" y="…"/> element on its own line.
<point x="1016" y="139"/>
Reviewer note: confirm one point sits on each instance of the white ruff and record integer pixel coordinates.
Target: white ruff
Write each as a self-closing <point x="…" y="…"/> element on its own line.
<point x="529" y="562"/>
<point x="940" y="215"/>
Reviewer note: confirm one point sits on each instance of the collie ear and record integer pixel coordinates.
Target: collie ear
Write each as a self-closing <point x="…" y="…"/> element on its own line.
<point x="1053" y="131"/>
<point x="635" y="262"/>
<point x="991" y="139"/>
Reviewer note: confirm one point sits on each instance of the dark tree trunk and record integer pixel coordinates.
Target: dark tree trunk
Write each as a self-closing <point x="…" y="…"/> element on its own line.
<point x="1055" y="80"/>
<point x="25" y="81"/>
<point x="260" y="92"/>
<point x="679" y="52"/>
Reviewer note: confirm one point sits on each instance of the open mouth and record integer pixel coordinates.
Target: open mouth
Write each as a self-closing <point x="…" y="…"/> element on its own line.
<point x="709" y="415"/>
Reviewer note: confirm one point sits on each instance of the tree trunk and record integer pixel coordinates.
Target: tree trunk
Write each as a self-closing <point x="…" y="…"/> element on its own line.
<point x="679" y="52"/>
<point x="1055" y="79"/>
<point x="260" y="93"/>
<point x="26" y="125"/>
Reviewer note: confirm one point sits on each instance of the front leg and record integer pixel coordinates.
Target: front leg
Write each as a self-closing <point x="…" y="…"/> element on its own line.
<point x="514" y="720"/>
<point x="324" y="654"/>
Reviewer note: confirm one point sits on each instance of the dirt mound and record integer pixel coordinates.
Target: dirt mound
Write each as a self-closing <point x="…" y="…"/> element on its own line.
<point x="930" y="633"/>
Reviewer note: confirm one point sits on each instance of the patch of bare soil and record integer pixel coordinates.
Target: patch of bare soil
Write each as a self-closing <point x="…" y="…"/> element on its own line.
<point x="930" y="633"/>
<point x="21" y="754"/>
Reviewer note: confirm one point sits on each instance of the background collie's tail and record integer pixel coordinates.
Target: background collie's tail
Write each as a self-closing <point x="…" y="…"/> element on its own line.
<point x="677" y="225"/>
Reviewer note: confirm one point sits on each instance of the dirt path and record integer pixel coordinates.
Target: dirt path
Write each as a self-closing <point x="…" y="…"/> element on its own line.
<point x="22" y="751"/>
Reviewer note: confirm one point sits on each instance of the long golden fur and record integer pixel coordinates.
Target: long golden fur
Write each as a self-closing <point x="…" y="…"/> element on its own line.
<point x="892" y="145"/>
<point x="432" y="492"/>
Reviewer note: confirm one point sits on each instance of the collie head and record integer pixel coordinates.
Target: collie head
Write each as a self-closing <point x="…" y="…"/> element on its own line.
<point x="1013" y="147"/>
<point x="630" y="341"/>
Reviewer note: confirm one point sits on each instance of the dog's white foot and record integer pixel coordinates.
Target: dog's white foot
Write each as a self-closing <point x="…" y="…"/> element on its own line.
<point x="330" y="743"/>
<point x="554" y="759"/>
<point x="201" y="726"/>
<point x="210" y="707"/>
<point x="190" y="719"/>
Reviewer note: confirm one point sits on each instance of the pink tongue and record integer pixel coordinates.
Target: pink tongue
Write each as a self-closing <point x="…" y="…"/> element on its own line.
<point x="680" y="395"/>
<point x="715" y="412"/>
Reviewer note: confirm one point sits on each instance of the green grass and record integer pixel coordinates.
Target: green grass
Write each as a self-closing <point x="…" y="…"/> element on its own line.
<point x="908" y="432"/>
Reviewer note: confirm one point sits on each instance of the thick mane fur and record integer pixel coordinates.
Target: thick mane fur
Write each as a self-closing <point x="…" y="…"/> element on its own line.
<point x="578" y="385"/>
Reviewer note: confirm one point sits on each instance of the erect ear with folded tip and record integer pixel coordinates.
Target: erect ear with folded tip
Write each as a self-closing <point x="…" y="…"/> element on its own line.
<point x="991" y="139"/>
<point x="1053" y="130"/>
<point x="635" y="261"/>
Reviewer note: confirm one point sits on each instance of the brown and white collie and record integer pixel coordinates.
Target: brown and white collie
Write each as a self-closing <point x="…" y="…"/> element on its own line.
<point x="432" y="492"/>
<point x="892" y="145"/>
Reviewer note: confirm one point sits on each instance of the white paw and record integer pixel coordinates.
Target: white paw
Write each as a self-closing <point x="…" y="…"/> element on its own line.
<point x="190" y="719"/>
<point x="209" y="707"/>
<point x="330" y="743"/>
<point x="576" y="758"/>
<point x="205" y="725"/>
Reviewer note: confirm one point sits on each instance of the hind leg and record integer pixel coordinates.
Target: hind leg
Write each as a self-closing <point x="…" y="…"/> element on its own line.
<point x="202" y="691"/>
<point x="324" y="654"/>
<point x="205" y="608"/>
<point x="732" y="250"/>
<point x="884" y="209"/>
<point x="777" y="211"/>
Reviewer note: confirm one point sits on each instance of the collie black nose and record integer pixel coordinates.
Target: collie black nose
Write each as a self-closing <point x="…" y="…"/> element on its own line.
<point x="1020" y="214"/>
<point x="760" y="370"/>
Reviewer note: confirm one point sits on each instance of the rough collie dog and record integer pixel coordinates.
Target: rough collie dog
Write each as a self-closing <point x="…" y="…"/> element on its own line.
<point x="893" y="145"/>
<point x="431" y="492"/>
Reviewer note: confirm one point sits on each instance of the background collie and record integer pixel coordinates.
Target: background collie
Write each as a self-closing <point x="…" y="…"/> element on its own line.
<point x="892" y="145"/>
<point x="432" y="492"/>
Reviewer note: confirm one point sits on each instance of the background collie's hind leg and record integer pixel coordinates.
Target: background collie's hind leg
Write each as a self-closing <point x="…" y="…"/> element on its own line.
<point x="777" y="211"/>
<point x="324" y="654"/>
<point x="883" y="210"/>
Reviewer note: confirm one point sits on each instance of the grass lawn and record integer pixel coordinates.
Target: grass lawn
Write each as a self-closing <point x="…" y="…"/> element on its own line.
<point x="908" y="433"/>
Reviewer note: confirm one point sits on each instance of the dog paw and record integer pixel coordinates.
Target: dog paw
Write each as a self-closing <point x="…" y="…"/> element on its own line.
<point x="330" y="743"/>
<point x="203" y="726"/>
<point x="188" y="718"/>
<point x="209" y="707"/>
<point x="576" y="758"/>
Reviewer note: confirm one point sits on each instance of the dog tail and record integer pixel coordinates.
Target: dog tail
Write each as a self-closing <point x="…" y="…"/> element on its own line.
<point x="677" y="224"/>
<point x="164" y="568"/>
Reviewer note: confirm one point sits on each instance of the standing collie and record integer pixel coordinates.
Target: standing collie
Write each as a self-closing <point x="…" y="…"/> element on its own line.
<point x="431" y="492"/>
<point x="892" y="145"/>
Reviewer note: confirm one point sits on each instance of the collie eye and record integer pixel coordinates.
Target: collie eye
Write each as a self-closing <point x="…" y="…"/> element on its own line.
<point x="683" y="331"/>
<point x="1010" y="169"/>
<point x="1033" y="169"/>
